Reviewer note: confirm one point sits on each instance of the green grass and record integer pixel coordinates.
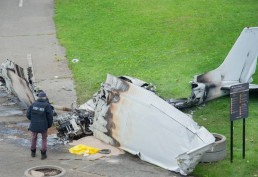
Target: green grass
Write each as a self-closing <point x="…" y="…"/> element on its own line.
<point x="215" y="117"/>
<point x="164" y="42"/>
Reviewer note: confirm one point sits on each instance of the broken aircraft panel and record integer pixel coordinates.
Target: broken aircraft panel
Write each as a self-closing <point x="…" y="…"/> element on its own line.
<point x="75" y="124"/>
<point x="139" y="122"/>
<point x="128" y="115"/>
<point x="16" y="81"/>
<point x="238" y="67"/>
<point x="140" y="83"/>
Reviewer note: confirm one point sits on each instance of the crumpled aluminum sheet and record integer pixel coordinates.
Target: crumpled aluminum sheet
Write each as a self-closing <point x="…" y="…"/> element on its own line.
<point x="139" y="122"/>
<point x="17" y="82"/>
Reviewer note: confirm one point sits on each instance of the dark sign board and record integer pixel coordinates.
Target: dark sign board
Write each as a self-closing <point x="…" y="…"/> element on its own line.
<point x="239" y="97"/>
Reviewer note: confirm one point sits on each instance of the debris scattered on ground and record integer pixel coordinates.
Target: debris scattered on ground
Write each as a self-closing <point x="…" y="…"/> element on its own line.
<point x="16" y="89"/>
<point x="94" y="142"/>
<point x="75" y="60"/>
<point x="82" y="149"/>
<point x="127" y="113"/>
<point x="17" y="82"/>
<point x="72" y="125"/>
<point x="105" y="151"/>
<point x="238" y="67"/>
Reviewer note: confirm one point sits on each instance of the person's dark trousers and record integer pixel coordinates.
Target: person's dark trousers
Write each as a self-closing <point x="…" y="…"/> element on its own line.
<point x="34" y="141"/>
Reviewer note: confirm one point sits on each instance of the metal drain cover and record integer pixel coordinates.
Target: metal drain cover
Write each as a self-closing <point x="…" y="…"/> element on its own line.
<point x="47" y="170"/>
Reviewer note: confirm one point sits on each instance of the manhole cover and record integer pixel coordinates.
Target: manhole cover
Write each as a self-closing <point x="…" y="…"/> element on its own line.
<point x="42" y="171"/>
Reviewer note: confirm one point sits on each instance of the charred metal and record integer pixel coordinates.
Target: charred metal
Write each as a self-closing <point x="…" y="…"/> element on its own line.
<point x="238" y="67"/>
<point x="73" y="125"/>
<point x="14" y="81"/>
<point x="126" y="111"/>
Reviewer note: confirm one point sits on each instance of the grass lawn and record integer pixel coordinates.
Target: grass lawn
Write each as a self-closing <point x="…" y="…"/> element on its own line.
<point x="164" y="42"/>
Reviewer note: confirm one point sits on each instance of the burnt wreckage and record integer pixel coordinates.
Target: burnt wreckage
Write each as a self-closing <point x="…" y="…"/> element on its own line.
<point x="119" y="116"/>
<point x="238" y="67"/>
<point x="17" y="81"/>
<point x="16" y="88"/>
<point x="76" y="124"/>
<point x="126" y="111"/>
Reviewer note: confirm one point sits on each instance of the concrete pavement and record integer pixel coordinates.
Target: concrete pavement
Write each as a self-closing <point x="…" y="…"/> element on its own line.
<point x="27" y="27"/>
<point x="17" y="160"/>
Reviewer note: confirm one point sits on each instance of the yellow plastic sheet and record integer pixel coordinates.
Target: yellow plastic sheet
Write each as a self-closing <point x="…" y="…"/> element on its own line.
<point x="81" y="149"/>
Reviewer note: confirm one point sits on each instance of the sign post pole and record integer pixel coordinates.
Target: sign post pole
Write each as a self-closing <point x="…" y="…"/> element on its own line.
<point x="231" y="141"/>
<point x="243" y="138"/>
<point x="239" y="97"/>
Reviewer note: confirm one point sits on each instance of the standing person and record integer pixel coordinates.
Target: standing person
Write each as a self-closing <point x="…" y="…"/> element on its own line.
<point x="41" y="116"/>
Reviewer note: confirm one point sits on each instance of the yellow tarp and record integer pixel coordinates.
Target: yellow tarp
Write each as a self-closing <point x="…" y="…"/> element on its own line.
<point x="81" y="149"/>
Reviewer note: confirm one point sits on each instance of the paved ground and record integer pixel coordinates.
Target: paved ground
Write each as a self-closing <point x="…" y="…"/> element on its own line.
<point x="27" y="28"/>
<point x="15" y="159"/>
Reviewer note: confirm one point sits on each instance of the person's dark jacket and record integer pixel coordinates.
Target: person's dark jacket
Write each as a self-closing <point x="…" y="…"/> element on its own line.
<point x="40" y="114"/>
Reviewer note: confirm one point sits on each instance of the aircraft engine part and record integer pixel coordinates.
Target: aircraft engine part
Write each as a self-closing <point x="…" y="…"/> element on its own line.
<point x="73" y="125"/>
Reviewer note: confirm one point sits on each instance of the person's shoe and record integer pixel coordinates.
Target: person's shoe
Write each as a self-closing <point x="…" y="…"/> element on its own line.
<point x="33" y="153"/>
<point x="43" y="155"/>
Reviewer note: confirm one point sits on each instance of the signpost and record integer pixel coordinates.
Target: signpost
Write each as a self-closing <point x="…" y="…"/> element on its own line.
<point x="239" y="97"/>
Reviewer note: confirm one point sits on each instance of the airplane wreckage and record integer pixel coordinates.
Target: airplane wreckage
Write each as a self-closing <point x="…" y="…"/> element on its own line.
<point x="127" y="113"/>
